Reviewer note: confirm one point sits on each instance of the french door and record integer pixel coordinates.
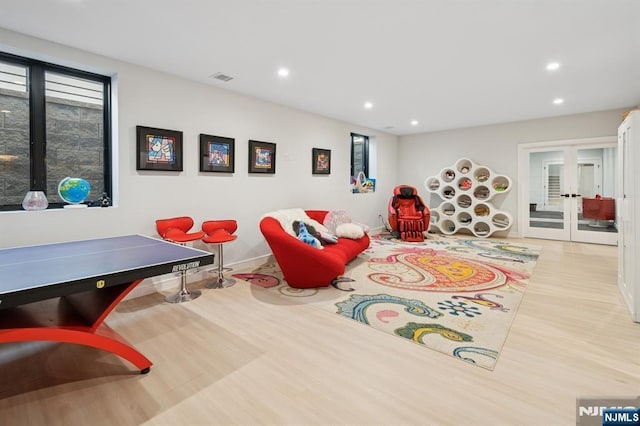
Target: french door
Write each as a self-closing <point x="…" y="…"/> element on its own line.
<point x="568" y="190"/>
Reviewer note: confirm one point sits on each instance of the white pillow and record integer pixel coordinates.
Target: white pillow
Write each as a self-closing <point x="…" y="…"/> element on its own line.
<point x="349" y="230"/>
<point x="334" y="218"/>
<point x="288" y="216"/>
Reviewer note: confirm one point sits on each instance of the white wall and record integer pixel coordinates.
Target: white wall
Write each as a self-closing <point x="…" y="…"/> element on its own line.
<point x="151" y="98"/>
<point x="495" y="146"/>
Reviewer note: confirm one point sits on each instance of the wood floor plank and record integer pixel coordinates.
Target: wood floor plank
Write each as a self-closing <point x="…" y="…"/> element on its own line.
<point x="239" y="356"/>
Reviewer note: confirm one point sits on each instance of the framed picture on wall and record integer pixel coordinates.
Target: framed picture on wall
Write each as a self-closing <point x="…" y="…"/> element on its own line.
<point x="217" y="154"/>
<point x="159" y="149"/>
<point x="262" y="157"/>
<point x="321" y="161"/>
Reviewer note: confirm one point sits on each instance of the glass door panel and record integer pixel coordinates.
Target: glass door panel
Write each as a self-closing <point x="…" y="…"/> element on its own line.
<point x="593" y="206"/>
<point x="548" y="182"/>
<point x="571" y="192"/>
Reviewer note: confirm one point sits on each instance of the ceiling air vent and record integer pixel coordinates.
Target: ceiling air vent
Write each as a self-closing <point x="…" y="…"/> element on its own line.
<point x="221" y="77"/>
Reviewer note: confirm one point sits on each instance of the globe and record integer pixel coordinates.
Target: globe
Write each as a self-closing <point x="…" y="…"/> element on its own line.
<point x="74" y="190"/>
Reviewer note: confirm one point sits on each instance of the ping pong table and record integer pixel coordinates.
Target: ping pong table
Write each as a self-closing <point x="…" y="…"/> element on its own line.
<point x="63" y="292"/>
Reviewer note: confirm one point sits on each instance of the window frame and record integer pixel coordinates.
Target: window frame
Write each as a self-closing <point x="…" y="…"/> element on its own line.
<point x="365" y="154"/>
<point x="36" y="70"/>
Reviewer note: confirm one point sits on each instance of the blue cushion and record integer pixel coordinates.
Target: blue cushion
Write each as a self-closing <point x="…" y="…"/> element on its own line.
<point x="307" y="238"/>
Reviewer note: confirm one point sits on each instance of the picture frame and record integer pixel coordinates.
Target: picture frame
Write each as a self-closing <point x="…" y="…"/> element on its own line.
<point x="158" y="149"/>
<point x="320" y="161"/>
<point x="217" y="154"/>
<point x="262" y="157"/>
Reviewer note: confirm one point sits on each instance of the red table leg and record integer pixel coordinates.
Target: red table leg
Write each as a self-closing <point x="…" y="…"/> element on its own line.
<point x="78" y="318"/>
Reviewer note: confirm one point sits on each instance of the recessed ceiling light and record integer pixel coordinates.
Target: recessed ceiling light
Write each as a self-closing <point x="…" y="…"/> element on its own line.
<point x="552" y="66"/>
<point x="558" y="101"/>
<point x="283" y="72"/>
<point x="414" y="122"/>
<point x="368" y="105"/>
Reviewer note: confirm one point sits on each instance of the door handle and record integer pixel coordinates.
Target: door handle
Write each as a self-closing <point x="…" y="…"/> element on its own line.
<point x="575" y="195"/>
<point x="565" y="195"/>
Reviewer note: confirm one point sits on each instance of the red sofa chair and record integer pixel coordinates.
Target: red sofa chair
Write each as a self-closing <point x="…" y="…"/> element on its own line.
<point x="304" y="266"/>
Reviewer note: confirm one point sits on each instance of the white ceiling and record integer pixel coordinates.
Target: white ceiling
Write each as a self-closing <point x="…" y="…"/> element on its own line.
<point x="446" y="63"/>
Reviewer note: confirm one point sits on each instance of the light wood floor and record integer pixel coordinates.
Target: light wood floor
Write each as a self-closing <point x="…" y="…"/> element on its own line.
<point x="237" y="357"/>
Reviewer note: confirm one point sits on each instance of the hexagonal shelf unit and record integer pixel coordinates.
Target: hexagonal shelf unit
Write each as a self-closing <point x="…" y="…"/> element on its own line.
<point x="466" y="189"/>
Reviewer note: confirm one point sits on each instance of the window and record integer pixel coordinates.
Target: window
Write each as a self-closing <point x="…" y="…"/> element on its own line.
<point x="55" y="122"/>
<point x="359" y="155"/>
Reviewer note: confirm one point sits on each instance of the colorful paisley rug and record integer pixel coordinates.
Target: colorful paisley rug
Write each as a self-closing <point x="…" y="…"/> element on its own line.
<point x="454" y="295"/>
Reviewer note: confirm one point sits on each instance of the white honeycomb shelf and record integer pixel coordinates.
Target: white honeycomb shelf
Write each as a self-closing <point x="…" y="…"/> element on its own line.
<point x="467" y="189"/>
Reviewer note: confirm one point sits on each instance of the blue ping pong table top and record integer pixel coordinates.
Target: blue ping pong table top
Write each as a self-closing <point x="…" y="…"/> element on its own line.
<point x="128" y="257"/>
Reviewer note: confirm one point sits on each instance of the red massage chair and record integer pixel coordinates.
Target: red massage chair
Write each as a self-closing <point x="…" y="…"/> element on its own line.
<point x="408" y="214"/>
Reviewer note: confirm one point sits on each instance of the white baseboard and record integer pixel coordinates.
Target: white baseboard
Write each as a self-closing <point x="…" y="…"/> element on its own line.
<point x="377" y="230"/>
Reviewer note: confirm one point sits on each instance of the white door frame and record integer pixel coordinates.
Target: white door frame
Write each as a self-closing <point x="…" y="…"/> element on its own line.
<point x="523" y="178"/>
